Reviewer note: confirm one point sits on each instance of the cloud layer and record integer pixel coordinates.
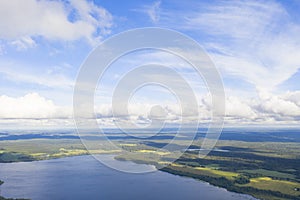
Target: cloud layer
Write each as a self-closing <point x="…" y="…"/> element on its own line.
<point x="267" y="109"/>
<point x="254" y="44"/>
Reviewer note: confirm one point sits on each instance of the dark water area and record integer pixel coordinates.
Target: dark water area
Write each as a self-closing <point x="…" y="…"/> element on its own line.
<point x="83" y="177"/>
<point x="236" y="134"/>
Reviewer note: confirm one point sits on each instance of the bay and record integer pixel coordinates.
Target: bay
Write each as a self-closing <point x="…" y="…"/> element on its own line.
<point x="83" y="177"/>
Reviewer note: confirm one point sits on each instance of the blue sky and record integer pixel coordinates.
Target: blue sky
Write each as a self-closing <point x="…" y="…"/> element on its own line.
<point x="255" y="45"/>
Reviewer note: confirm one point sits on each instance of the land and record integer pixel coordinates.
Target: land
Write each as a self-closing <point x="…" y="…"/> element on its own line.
<point x="44" y="149"/>
<point x="265" y="170"/>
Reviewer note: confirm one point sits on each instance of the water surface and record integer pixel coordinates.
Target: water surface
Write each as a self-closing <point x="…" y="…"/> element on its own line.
<point x="83" y="177"/>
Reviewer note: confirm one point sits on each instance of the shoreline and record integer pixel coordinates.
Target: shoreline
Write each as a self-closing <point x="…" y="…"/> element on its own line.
<point x="242" y="168"/>
<point x="205" y="179"/>
<point x="115" y="157"/>
<point x="74" y="156"/>
<point x="221" y="182"/>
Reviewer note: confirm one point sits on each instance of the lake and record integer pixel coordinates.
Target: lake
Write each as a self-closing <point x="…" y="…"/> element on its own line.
<point x="83" y="177"/>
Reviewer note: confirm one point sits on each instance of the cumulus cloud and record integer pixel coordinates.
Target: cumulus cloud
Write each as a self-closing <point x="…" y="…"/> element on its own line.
<point x="267" y="108"/>
<point x="30" y="106"/>
<point x="293" y="97"/>
<point x="235" y="107"/>
<point x="282" y="105"/>
<point x="21" y="21"/>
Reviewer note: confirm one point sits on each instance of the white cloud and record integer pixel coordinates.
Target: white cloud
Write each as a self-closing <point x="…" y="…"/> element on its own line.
<point x="253" y="40"/>
<point x="30" y="106"/>
<point x="12" y="71"/>
<point x="2" y="49"/>
<point x="23" y="43"/>
<point x="266" y="109"/>
<point x="293" y="97"/>
<point x="262" y="45"/>
<point x="53" y="20"/>
<point x="236" y="108"/>
<point x="153" y="11"/>
<point x="278" y="104"/>
<point x="236" y="19"/>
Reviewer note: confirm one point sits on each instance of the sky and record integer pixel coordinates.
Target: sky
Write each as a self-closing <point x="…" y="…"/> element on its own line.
<point x="255" y="46"/>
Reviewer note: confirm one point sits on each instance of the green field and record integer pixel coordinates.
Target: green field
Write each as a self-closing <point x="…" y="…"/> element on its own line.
<point x="41" y="149"/>
<point x="264" y="170"/>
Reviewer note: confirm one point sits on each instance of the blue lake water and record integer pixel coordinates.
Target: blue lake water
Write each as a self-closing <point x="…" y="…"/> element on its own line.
<point x="83" y="177"/>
